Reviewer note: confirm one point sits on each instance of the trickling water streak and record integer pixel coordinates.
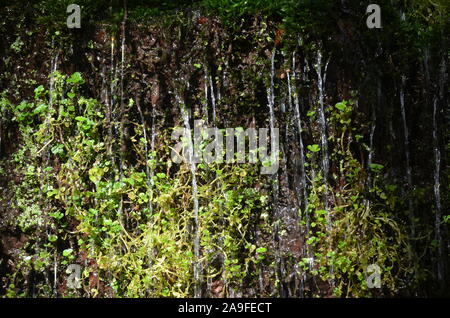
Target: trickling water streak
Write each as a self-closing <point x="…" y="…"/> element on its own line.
<point x="153" y="137"/>
<point x="302" y="151"/>
<point x="151" y="173"/>
<point x="437" y="164"/>
<point x="271" y="93"/>
<point x="122" y="68"/>
<point x="371" y="142"/>
<point x="111" y="109"/>
<point x="113" y="71"/>
<point x="324" y="143"/>
<point x="407" y="156"/>
<point x="372" y="132"/>
<point x="193" y="168"/>
<point x="219" y="88"/>
<point x="205" y="109"/>
<point x="122" y="105"/>
<point x="374" y="124"/>
<point x="219" y="94"/>
<point x="303" y="185"/>
<point x="53" y="68"/>
<point x="213" y="98"/>
<point x="121" y="127"/>
<point x="271" y="102"/>
<point x="147" y="155"/>
<point x="272" y="121"/>
<point x="437" y="171"/>
<point x="323" y="128"/>
<point x="437" y="193"/>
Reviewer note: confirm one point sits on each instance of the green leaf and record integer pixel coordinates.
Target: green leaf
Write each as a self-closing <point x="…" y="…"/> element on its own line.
<point x="57" y="215"/>
<point x="23" y="105"/>
<point x="261" y="250"/>
<point x="40" y="109"/>
<point x="376" y="167"/>
<point x="38" y="91"/>
<point x="96" y="174"/>
<point x="143" y="197"/>
<point x="58" y="149"/>
<point x="75" y="79"/>
<point x="311" y="240"/>
<point x="341" y="106"/>
<point x="52" y="193"/>
<point x="67" y="252"/>
<point x="80" y="118"/>
<point x="314" y="148"/>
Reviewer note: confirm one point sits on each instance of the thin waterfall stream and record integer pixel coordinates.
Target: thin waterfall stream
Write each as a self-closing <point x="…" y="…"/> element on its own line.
<point x="303" y="191"/>
<point x="193" y="169"/>
<point x="323" y="134"/>
<point x="274" y="177"/>
<point x="407" y="157"/>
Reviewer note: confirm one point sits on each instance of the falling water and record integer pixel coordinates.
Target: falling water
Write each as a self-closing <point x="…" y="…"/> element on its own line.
<point x="374" y="124"/>
<point x="193" y="168"/>
<point x="437" y="171"/>
<point x="111" y="110"/>
<point x="150" y="173"/>
<point x="324" y="143"/>
<point x="437" y="162"/>
<point x="224" y="85"/>
<point x="219" y="94"/>
<point x="271" y="93"/>
<point x="437" y="192"/>
<point x="271" y="103"/>
<point x="205" y="109"/>
<point x="121" y="127"/>
<point x="213" y="98"/>
<point x="407" y="156"/>
<point x="373" y="127"/>
<point x="323" y="128"/>
<point x="103" y="91"/>
<point x="53" y="68"/>
<point x="113" y="74"/>
<point x="303" y="192"/>
<point x="147" y="155"/>
<point x="153" y="137"/>
<point x="122" y="75"/>
<point x="303" y="184"/>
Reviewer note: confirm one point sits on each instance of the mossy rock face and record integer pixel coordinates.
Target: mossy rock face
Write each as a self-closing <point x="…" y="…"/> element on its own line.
<point x="86" y="124"/>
